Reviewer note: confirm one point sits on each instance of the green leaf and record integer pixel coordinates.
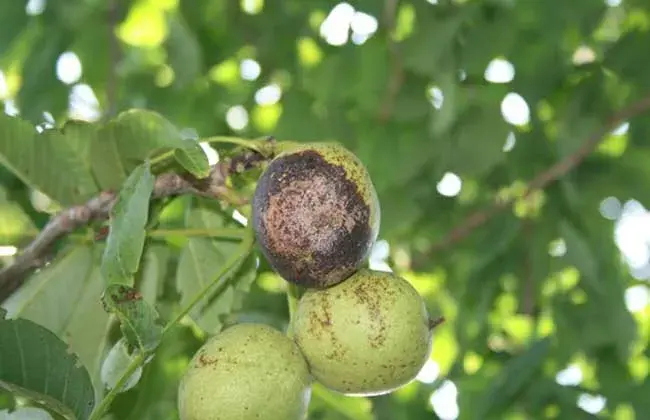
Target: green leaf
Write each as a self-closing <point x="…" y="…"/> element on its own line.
<point x="184" y="52"/>
<point x="37" y="364"/>
<point x="488" y="37"/>
<point x="90" y="37"/>
<point x="139" y="320"/>
<point x="153" y="271"/>
<point x="394" y="146"/>
<point x="40" y="90"/>
<point x="14" y="223"/>
<point x="127" y="141"/>
<point x="193" y="159"/>
<point x="477" y="144"/>
<point x="116" y="364"/>
<point x="129" y="216"/>
<point x="369" y="74"/>
<point x="513" y="378"/>
<point x="12" y="20"/>
<point x="27" y="413"/>
<point x="580" y="255"/>
<point x="325" y="82"/>
<point x="444" y="118"/>
<point x="431" y="43"/>
<point x="80" y="136"/>
<point x="584" y="326"/>
<point x="64" y="297"/>
<point x="297" y="120"/>
<point x="201" y="260"/>
<point x="219" y="310"/>
<point x="623" y="57"/>
<point x="410" y="104"/>
<point x="48" y="162"/>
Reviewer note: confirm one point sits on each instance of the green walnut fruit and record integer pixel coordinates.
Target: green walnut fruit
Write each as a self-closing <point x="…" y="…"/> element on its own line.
<point x="249" y="371"/>
<point x="367" y="335"/>
<point x="315" y="214"/>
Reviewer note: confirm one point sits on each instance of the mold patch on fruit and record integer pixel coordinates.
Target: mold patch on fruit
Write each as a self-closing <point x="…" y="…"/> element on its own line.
<point x="316" y="214"/>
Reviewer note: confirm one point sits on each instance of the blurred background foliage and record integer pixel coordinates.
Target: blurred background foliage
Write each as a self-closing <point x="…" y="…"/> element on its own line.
<point x="451" y="104"/>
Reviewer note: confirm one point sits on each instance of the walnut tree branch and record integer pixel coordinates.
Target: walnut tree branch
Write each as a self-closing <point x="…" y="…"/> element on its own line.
<point x="542" y="180"/>
<point x="98" y="208"/>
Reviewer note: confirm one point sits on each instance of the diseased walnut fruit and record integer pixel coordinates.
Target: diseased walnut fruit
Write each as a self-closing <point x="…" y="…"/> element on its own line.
<point x="367" y="335"/>
<point x="247" y="372"/>
<point x="316" y="214"/>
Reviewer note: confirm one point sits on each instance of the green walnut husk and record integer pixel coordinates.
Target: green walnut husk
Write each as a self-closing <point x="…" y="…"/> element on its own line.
<point x="247" y="372"/>
<point x="368" y="335"/>
<point x="316" y="214"/>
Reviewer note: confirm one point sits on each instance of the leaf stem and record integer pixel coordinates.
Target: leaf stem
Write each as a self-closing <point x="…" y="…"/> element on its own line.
<point x="220" y="279"/>
<point x="161" y="157"/>
<point x="249" y="144"/>
<point x="100" y="409"/>
<point x="226" y="233"/>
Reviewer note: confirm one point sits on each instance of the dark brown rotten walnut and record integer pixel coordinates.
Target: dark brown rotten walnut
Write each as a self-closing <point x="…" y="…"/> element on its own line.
<point x="316" y="214"/>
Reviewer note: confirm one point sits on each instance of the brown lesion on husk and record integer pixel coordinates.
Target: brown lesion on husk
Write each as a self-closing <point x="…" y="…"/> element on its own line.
<point x="365" y="295"/>
<point x="322" y="323"/>
<point x="312" y="221"/>
<point x="204" y="360"/>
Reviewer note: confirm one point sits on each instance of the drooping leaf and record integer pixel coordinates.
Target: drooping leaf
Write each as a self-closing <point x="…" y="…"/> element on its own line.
<point x="48" y="161"/>
<point x="36" y="363"/>
<point x="129" y="216"/>
<point x="65" y="298"/>
<point x="139" y="319"/>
